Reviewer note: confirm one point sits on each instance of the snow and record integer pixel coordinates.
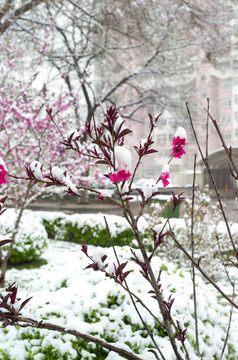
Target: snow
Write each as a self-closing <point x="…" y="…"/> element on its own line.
<point x="165" y="168"/>
<point x="63" y="177"/>
<point x="63" y="287"/>
<point x="123" y="158"/>
<point x="117" y="124"/>
<point x="2" y="162"/>
<point x="181" y="132"/>
<point x="158" y="228"/>
<point x="149" y="188"/>
<point x="35" y="167"/>
<point x="106" y="193"/>
<point x="143" y="142"/>
<point x="74" y="133"/>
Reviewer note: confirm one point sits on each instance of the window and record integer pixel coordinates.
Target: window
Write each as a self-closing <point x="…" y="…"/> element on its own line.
<point x="162" y="122"/>
<point x="226" y="119"/>
<point x="226" y="85"/>
<point x="162" y="139"/>
<point x="203" y="77"/>
<point x="236" y="132"/>
<point x="236" y="99"/>
<point x="235" y="81"/>
<point x="236" y="116"/>
<point x="225" y="103"/>
<point x="226" y="135"/>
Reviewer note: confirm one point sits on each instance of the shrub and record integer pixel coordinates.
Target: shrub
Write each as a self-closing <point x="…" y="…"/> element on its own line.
<point x="101" y="308"/>
<point x="31" y="239"/>
<point x="91" y="230"/>
<point x="208" y="232"/>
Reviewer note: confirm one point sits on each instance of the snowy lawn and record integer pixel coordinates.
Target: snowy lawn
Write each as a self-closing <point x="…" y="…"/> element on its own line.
<point x="84" y="300"/>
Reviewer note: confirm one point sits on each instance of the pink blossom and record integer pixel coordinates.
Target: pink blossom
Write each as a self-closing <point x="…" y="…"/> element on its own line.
<point x="3" y="174"/>
<point x="100" y="197"/>
<point x="178" y="144"/>
<point x="120" y="176"/>
<point x="164" y="177"/>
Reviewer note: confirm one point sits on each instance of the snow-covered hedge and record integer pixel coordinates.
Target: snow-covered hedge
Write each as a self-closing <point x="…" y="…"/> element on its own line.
<point x="90" y="228"/>
<point x="86" y="301"/>
<point x="31" y="239"/>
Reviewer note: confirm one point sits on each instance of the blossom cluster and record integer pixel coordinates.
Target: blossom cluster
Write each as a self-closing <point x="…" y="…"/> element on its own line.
<point x="3" y="172"/>
<point x="178" y="142"/>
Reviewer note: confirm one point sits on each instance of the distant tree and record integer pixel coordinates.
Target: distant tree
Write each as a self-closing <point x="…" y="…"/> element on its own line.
<point x="28" y="134"/>
<point x="135" y="54"/>
<point x="10" y="10"/>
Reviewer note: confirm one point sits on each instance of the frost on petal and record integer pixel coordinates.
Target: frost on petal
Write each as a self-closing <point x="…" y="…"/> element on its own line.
<point x="123" y="158"/>
<point x="181" y="133"/>
<point x="149" y="188"/>
<point x="35" y="167"/>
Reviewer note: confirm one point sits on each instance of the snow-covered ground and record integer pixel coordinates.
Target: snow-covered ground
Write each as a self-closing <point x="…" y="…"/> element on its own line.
<point x="66" y="294"/>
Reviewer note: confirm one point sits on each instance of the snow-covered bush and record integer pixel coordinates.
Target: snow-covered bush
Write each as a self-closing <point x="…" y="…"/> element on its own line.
<point x="74" y="299"/>
<point x="31" y="239"/>
<point x="210" y="236"/>
<point x="91" y="230"/>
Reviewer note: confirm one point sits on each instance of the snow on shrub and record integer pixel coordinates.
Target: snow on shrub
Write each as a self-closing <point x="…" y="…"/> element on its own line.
<point x="91" y="229"/>
<point x="208" y="232"/>
<point x="88" y="302"/>
<point x="31" y="239"/>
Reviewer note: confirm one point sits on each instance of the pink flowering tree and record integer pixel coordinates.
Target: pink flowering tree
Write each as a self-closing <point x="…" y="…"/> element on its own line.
<point x="28" y="133"/>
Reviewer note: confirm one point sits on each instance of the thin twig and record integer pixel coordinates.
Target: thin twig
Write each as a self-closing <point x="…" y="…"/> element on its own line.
<point x="228" y="152"/>
<point x="207" y="134"/>
<point x="193" y="267"/>
<point x="130" y="294"/>
<point x="196" y="263"/>
<point x="154" y="285"/>
<point x="214" y="184"/>
<point x="24" y="322"/>
<point x="228" y="328"/>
